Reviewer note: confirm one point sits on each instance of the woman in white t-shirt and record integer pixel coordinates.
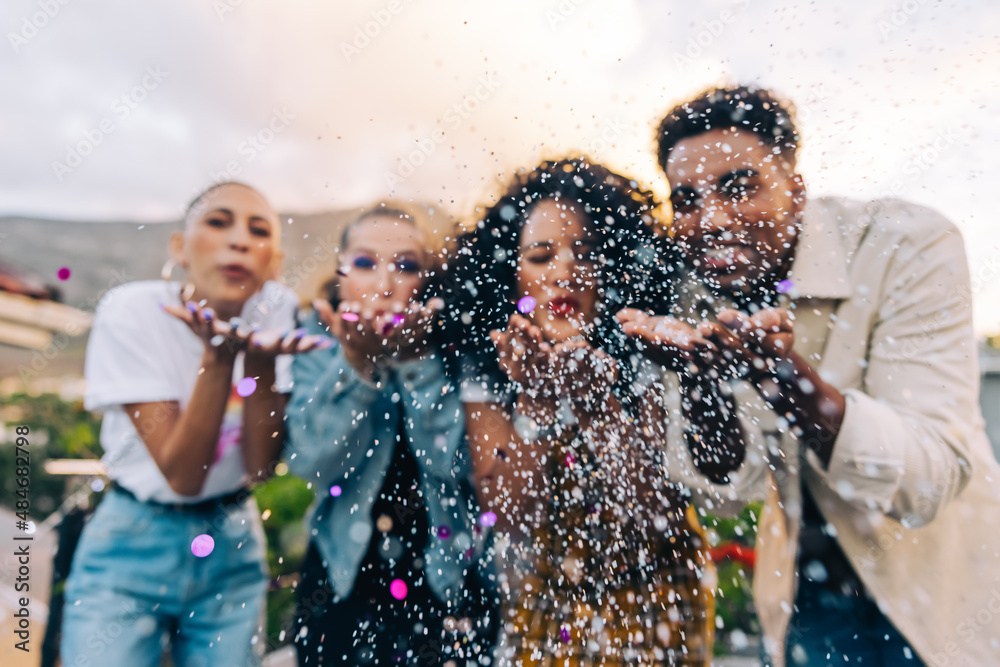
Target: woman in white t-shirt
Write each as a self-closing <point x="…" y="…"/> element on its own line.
<point x="192" y="379"/>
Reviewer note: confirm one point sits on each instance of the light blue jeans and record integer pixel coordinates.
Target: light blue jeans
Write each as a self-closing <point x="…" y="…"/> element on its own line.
<point x="135" y="590"/>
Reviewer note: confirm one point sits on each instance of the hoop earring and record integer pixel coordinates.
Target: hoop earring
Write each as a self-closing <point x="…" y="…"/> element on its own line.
<point x="168" y="269"/>
<point x="187" y="291"/>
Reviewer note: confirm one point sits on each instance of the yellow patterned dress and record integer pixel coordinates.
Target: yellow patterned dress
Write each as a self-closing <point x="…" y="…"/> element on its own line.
<point x="596" y="584"/>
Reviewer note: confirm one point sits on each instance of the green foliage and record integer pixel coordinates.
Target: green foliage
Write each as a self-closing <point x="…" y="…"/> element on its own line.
<point x="283" y="500"/>
<point x="734" y="607"/>
<point x="59" y="429"/>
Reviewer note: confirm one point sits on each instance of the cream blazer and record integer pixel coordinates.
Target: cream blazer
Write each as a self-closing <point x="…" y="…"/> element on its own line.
<point x="882" y="303"/>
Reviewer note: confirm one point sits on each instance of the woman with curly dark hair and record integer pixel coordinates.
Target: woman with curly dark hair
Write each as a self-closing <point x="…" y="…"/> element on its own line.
<point x="565" y="419"/>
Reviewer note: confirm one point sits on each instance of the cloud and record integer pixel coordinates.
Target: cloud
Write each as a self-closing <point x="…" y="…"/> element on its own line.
<point x="364" y="86"/>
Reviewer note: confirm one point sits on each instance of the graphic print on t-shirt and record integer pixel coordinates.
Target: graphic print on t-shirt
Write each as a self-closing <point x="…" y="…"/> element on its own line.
<point x="232" y="425"/>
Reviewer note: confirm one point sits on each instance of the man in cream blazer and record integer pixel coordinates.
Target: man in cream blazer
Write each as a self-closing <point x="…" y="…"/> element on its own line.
<point x="841" y="333"/>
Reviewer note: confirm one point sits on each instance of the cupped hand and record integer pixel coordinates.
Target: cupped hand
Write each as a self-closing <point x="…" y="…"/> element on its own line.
<point x="523" y="353"/>
<point x="662" y="339"/>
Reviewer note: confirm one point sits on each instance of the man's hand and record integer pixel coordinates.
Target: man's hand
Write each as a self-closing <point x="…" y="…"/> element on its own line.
<point x="664" y="340"/>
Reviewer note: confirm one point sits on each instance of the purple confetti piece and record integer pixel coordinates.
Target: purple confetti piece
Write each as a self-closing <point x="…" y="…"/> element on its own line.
<point x="488" y="519"/>
<point x="444" y="532"/>
<point x="63" y="273"/>
<point x="526" y="304"/>
<point x="202" y="545"/>
<point x="785" y="286"/>
<point x="335" y="491"/>
<point x="246" y="386"/>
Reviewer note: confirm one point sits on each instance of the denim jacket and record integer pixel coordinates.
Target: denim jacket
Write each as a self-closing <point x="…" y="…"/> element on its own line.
<point x="341" y="433"/>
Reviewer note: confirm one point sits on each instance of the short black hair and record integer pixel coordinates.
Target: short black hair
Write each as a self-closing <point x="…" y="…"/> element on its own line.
<point x="636" y="264"/>
<point x="736" y="108"/>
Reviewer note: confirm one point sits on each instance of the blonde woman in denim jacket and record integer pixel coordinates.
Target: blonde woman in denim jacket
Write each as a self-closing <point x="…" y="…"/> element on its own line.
<point x="393" y="574"/>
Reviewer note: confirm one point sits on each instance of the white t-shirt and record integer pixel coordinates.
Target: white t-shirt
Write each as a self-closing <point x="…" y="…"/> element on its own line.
<point x="137" y="353"/>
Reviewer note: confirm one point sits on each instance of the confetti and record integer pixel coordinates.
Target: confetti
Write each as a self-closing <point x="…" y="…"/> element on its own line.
<point x="398" y="319"/>
<point x="443" y="532"/>
<point x="488" y="519"/>
<point x="398" y="589"/>
<point x="63" y="273"/>
<point x="785" y="286"/>
<point x="335" y="491"/>
<point x="202" y="545"/>
<point x="564" y="634"/>
<point x="526" y="304"/>
<point x="350" y="317"/>
<point x="246" y="387"/>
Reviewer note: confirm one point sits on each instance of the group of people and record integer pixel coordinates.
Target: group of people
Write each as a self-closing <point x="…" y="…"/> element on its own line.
<point x="510" y="429"/>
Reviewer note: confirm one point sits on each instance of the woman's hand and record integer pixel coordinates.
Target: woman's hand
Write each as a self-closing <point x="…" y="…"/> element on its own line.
<point x="269" y="344"/>
<point x="524" y="355"/>
<point x="222" y="339"/>
<point x="406" y="330"/>
<point x="356" y="332"/>
<point x="584" y="374"/>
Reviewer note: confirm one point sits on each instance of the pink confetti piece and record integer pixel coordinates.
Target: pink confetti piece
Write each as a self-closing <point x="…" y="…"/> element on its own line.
<point x="443" y="532"/>
<point x="785" y="286"/>
<point x="526" y="304"/>
<point x="398" y="319"/>
<point x="350" y="317"/>
<point x="335" y="491"/>
<point x="488" y="519"/>
<point x="202" y="545"/>
<point x="63" y="273"/>
<point x="246" y="386"/>
<point x="398" y="589"/>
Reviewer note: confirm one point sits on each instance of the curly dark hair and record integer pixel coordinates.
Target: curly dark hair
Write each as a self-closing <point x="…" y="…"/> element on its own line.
<point x="740" y="107"/>
<point x="636" y="264"/>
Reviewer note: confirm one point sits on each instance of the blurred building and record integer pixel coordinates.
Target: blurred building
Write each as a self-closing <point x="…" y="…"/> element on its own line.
<point x="989" y="390"/>
<point x="30" y="312"/>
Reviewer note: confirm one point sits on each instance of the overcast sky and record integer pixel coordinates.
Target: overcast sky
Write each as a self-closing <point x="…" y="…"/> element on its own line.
<point x="121" y="110"/>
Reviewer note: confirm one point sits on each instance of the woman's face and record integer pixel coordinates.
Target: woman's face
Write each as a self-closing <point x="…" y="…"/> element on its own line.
<point x="230" y="247"/>
<point x="557" y="268"/>
<point x="382" y="265"/>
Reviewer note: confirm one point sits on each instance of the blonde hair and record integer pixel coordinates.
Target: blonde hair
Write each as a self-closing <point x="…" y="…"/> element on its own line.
<point x="438" y="232"/>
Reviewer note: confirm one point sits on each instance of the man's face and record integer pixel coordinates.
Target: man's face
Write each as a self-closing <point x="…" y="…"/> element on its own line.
<point x="736" y="209"/>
